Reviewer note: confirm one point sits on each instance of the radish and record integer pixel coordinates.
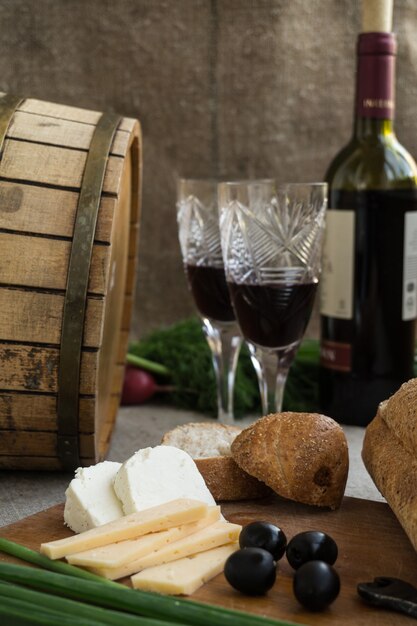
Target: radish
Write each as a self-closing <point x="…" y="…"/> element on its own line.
<point x="138" y="386"/>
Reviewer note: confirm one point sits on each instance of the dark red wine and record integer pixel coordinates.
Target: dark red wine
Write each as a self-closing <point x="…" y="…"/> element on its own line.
<point x="273" y="316"/>
<point x="369" y="277"/>
<point x="366" y="358"/>
<point x="209" y="288"/>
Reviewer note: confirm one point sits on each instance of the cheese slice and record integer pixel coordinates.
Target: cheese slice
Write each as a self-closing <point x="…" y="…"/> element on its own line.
<point x="157" y="518"/>
<point x="90" y="497"/>
<point x="215" y="535"/>
<point x="186" y="575"/>
<point x="155" y="475"/>
<point x="122" y="552"/>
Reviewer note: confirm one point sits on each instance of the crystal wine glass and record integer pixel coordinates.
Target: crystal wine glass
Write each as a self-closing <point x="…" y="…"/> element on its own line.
<point x="272" y="241"/>
<point x="199" y="235"/>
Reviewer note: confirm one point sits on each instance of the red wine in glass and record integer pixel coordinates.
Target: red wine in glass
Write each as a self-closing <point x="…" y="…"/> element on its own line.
<point x="209" y="288"/>
<point x="271" y="245"/>
<point x="199" y="237"/>
<point x="273" y="315"/>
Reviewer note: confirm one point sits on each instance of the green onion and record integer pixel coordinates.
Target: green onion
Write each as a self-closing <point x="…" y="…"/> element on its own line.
<point x="146" y="364"/>
<point x="30" y="556"/>
<point x="132" y="601"/>
<point x="79" y="610"/>
<point x="20" y="613"/>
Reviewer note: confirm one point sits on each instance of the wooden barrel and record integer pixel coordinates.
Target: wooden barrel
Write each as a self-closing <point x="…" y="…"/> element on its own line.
<point x="42" y="180"/>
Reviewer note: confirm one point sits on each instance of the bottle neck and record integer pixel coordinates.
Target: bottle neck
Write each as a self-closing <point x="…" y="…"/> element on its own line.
<point x="375" y="98"/>
<point x="371" y="128"/>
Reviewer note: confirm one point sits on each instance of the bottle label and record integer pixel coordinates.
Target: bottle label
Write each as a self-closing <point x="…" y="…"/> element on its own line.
<point x="409" y="311"/>
<point x="336" y="284"/>
<point x="335" y="356"/>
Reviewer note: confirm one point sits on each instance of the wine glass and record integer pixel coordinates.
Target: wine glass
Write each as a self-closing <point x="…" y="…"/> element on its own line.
<point x="199" y="235"/>
<point x="272" y="240"/>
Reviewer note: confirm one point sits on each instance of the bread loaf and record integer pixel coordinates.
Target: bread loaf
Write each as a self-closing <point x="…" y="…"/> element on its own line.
<point x="399" y="413"/>
<point x="394" y="471"/>
<point x="301" y="456"/>
<point x="209" y="446"/>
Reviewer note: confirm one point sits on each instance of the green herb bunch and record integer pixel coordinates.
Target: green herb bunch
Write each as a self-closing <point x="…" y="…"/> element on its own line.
<point x="183" y="350"/>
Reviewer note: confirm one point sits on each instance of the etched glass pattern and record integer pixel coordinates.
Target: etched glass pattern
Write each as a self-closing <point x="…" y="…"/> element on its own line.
<point x="199" y="233"/>
<point x="273" y="241"/>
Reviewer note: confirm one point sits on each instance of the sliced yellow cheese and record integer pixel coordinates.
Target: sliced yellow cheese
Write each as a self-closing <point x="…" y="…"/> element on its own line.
<point x="161" y="517"/>
<point x="186" y="575"/>
<point x="122" y="552"/>
<point x="215" y="535"/>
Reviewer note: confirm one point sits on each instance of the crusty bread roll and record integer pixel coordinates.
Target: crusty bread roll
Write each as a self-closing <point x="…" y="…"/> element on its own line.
<point x="301" y="456"/>
<point x="399" y="413"/>
<point x="394" y="471"/>
<point x="209" y="446"/>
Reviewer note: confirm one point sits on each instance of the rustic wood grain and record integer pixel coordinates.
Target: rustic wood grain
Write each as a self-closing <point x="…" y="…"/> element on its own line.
<point x="50" y="165"/>
<point x="60" y="132"/>
<point x="117" y="378"/>
<point x="123" y="342"/>
<point x="37" y="412"/>
<point x="370" y="540"/>
<point x="127" y="312"/>
<point x="35" y="368"/>
<point x="39" y="444"/>
<point x="71" y="113"/>
<point x="111" y="357"/>
<point x="133" y="239"/>
<point x="41" y="172"/>
<point x="23" y="314"/>
<point x="48" y="264"/>
<point x="131" y="276"/>
<point x="26" y="208"/>
<point x="42" y="463"/>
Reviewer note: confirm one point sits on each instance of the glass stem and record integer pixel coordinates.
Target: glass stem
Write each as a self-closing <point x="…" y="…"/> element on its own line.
<point x="272" y="369"/>
<point x="224" y="342"/>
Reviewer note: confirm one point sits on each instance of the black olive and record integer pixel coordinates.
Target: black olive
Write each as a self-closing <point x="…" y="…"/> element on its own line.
<point x="251" y="571"/>
<point x="316" y="584"/>
<point x="264" y="535"/>
<point x="312" y="545"/>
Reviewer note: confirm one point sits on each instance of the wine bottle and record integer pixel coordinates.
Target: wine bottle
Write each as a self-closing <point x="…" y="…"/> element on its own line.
<point x="369" y="279"/>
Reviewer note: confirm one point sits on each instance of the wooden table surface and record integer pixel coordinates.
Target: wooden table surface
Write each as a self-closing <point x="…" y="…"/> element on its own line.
<point x="371" y="543"/>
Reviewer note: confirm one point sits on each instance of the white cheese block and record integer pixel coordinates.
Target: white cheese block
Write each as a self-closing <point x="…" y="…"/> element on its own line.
<point x="174" y="513"/>
<point x="155" y="475"/>
<point x="215" y="535"/>
<point x="186" y="575"/>
<point x="90" y="497"/>
<point x="122" y="552"/>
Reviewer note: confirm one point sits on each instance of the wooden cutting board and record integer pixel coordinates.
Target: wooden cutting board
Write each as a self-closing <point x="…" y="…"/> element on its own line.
<point x="370" y="539"/>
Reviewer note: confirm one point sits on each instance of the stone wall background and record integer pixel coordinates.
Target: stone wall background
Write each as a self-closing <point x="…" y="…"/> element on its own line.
<point x="222" y="87"/>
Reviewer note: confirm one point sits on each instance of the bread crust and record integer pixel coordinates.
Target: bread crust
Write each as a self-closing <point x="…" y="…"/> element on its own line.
<point x="399" y="413"/>
<point x="394" y="471"/>
<point x="227" y="481"/>
<point x="301" y="456"/>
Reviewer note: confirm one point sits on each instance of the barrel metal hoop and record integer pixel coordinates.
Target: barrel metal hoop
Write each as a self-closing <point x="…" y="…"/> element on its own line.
<point x="8" y="106"/>
<point x="68" y="448"/>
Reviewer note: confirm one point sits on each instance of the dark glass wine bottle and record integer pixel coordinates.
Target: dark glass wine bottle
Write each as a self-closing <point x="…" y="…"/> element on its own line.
<point x="369" y="280"/>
